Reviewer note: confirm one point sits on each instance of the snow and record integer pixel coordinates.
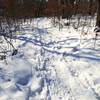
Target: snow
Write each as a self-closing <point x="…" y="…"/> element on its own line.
<point x="51" y="64"/>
